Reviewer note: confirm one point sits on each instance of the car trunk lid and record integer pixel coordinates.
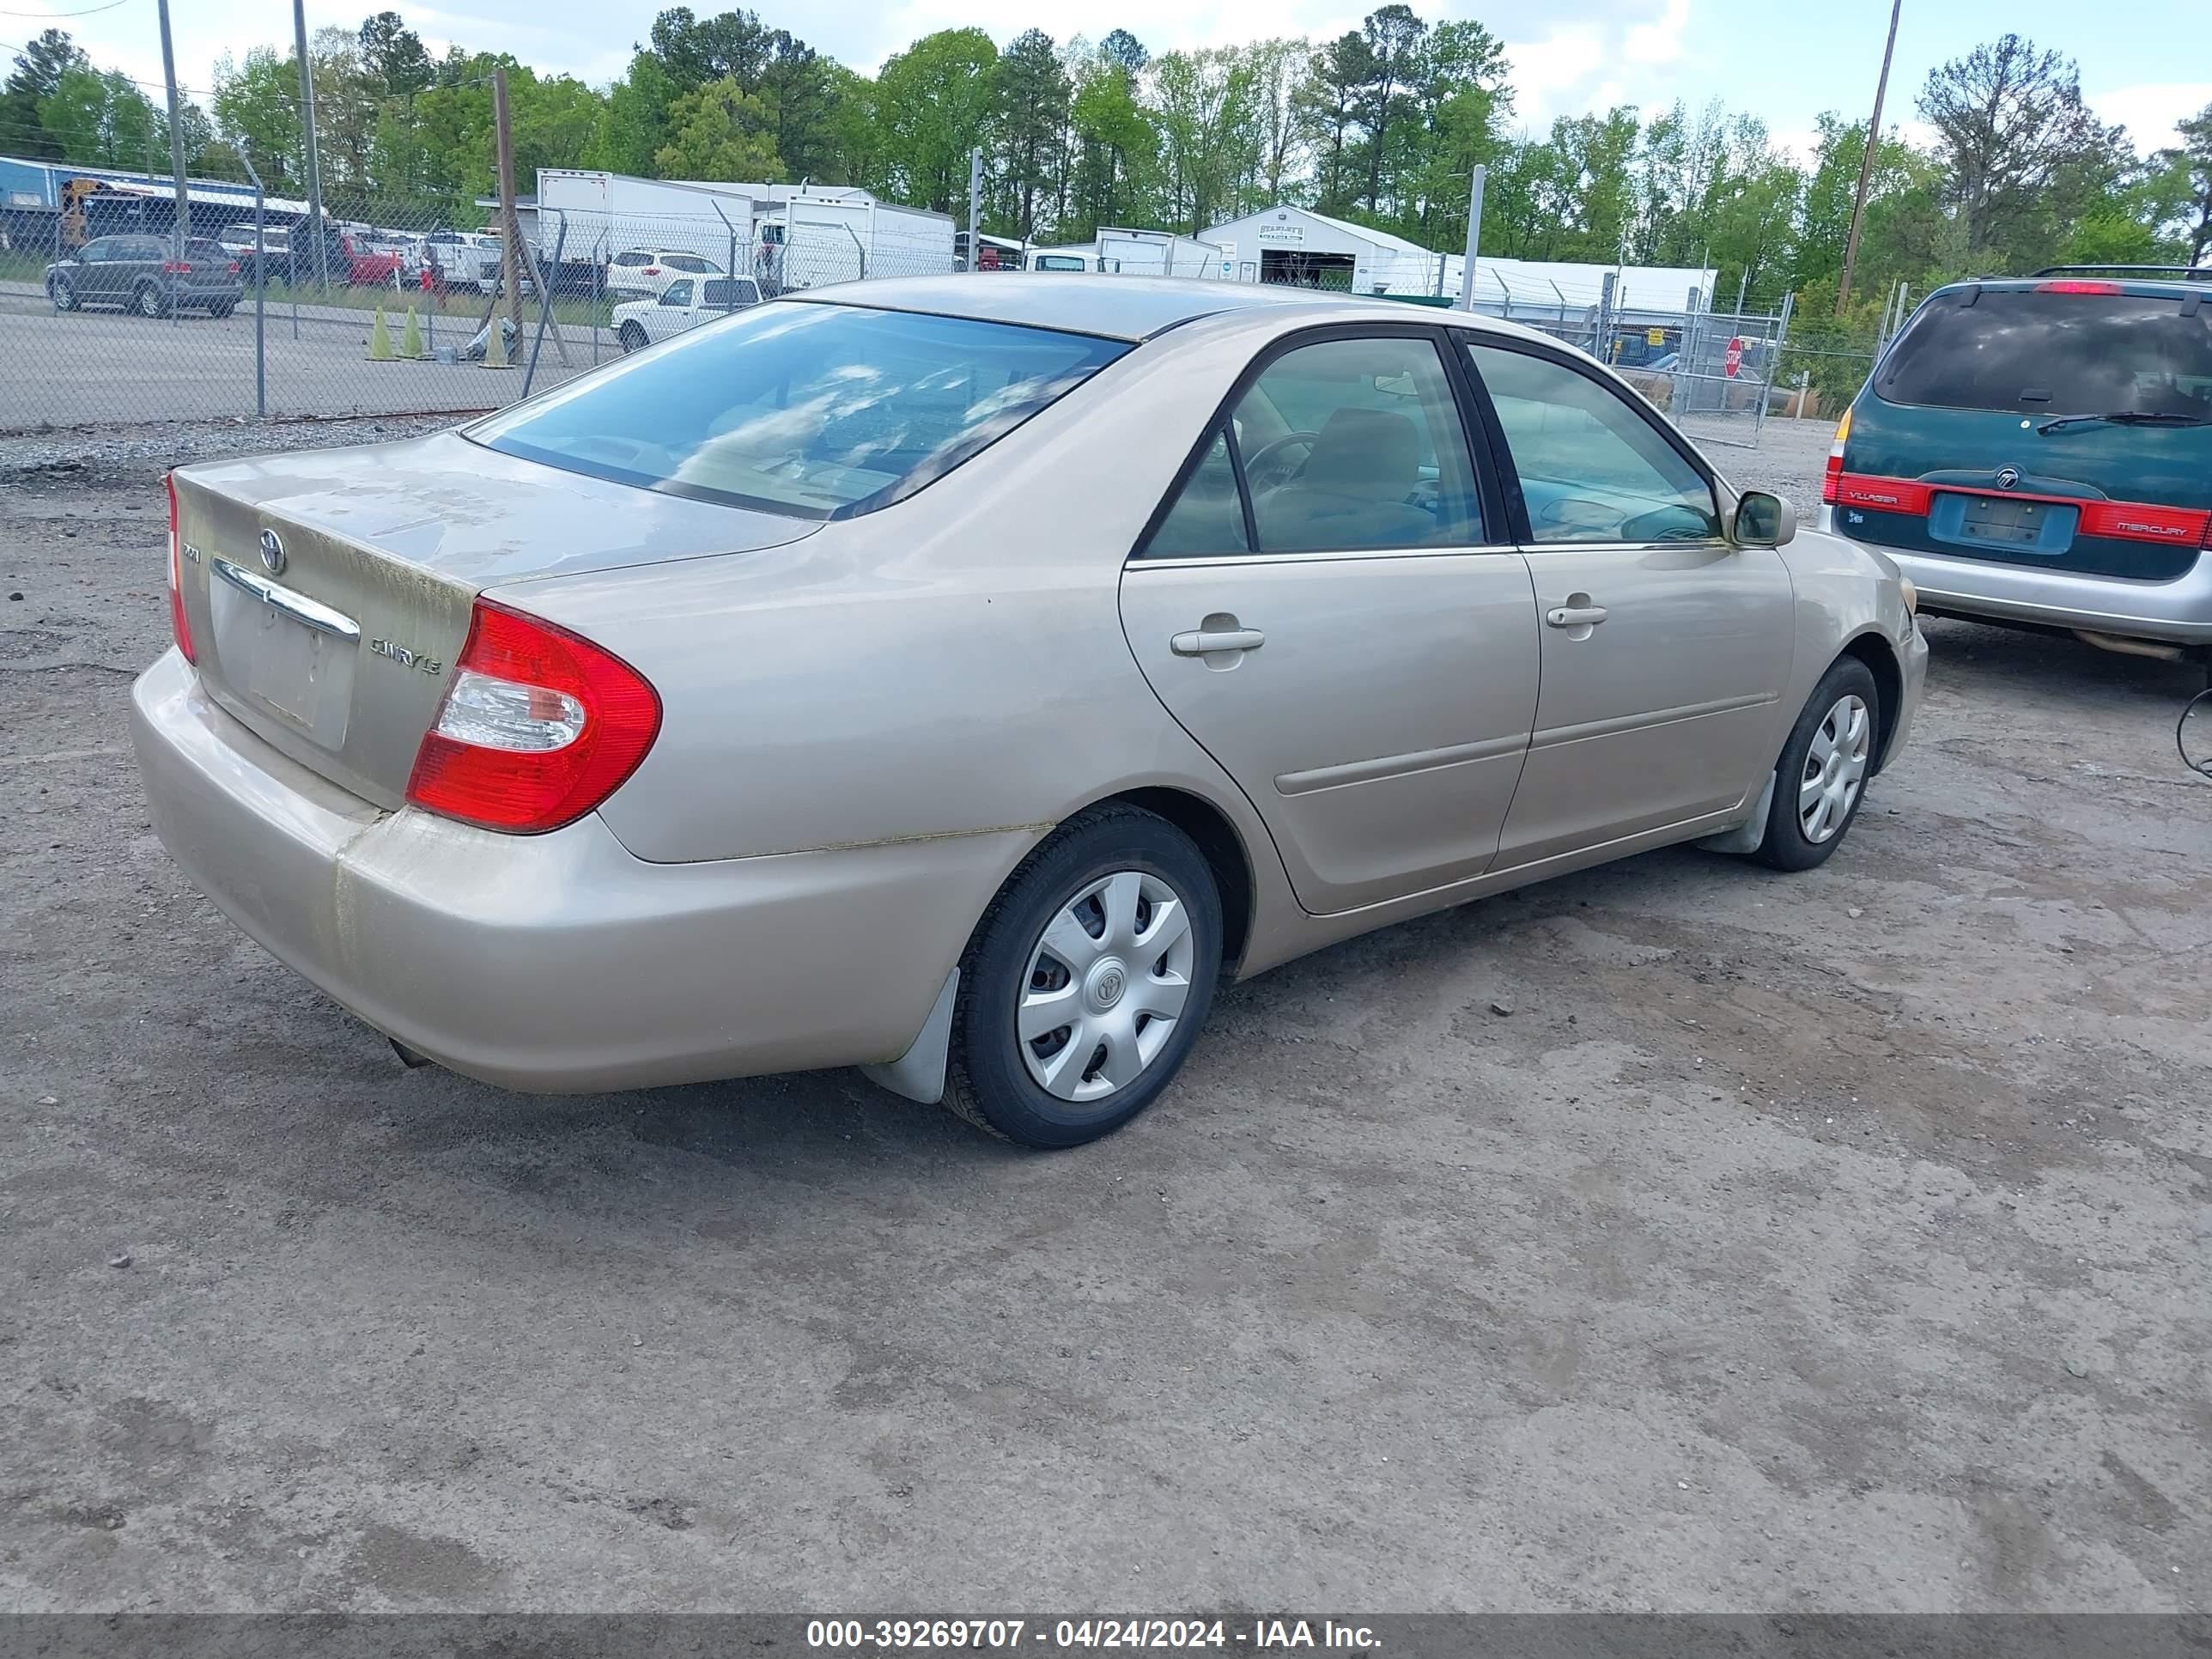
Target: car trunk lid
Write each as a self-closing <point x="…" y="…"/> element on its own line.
<point x="329" y="591"/>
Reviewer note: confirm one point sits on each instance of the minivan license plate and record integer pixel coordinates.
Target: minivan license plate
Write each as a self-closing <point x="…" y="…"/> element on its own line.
<point x="2011" y="524"/>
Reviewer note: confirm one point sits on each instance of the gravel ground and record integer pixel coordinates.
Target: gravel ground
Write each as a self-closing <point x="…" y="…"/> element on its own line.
<point x="1835" y="1241"/>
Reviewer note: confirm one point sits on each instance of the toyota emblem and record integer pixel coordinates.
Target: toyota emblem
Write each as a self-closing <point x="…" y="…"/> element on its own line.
<point x="272" y="552"/>
<point x="2009" y="477"/>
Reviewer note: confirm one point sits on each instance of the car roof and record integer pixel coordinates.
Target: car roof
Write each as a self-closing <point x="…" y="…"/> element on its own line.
<point x="1117" y="307"/>
<point x="2174" y="286"/>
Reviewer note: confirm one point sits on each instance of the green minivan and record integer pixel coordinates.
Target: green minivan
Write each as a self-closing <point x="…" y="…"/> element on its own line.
<point x="2038" y="452"/>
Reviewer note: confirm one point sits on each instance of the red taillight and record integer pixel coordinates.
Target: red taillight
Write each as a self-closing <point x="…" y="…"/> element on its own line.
<point x="231" y="270"/>
<point x="178" y="625"/>
<point x="537" y="727"/>
<point x="2072" y="285"/>
<point x="176" y="267"/>
<point x="1833" y="477"/>
<point x="650" y="270"/>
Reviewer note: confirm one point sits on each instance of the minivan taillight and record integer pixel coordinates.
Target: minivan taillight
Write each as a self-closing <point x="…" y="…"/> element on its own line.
<point x="180" y="626"/>
<point x="538" y="726"/>
<point x="1832" y="480"/>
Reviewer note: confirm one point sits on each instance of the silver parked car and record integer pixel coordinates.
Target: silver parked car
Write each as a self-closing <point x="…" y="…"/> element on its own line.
<point x="960" y="678"/>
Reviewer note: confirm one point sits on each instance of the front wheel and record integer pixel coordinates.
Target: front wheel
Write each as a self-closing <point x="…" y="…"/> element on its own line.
<point x="150" y="301"/>
<point x="1821" y="777"/>
<point x="64" y="296"/>
<point x="1085" y="987"/>
<point x="632" y="337"/>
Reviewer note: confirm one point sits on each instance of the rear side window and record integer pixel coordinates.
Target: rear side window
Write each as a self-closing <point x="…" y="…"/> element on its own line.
<point x="729" y="291"/>
<point x="818" y="412"/>
<point x="2048" y="352"/>
<point x="1207" y="518"/>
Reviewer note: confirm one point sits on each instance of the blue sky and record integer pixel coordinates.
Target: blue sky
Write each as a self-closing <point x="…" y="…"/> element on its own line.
<point x="2144" y="63"/>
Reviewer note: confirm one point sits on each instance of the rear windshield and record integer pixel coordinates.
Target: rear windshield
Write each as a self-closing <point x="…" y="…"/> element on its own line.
<point x="2057" y="354"/>
<point x="819" y="411"/>
<point x="200" y="248"/>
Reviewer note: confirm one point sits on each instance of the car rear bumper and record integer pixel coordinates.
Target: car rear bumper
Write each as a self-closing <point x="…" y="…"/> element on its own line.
<point x="2179" y="610"/>
<point x="558" y="963"/>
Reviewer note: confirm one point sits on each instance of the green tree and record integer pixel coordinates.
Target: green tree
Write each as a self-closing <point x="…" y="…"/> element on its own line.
<point x="2018" y="147"/>
<point x="395" y="55"/>
<point x="933" y="102"/>
<point x="1336" y="83"/>
<point x="1031" y="94"/>
<point x="719" y="131"/>
<point x="1202" y="106"/>
<point x="1459" y="98"/>
<point x="1394" y="35"/>
<point x="257" y="111"/>
<point x="633" y="126"/>
<point x="1114" y="139"/>
<point x="103" y="119"/>
<point x="1283" y="133"/>
<point x="35" y="76"/>
<point x="2186" y="184"/>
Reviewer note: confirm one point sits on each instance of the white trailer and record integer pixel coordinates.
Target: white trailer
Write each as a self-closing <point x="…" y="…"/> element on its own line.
<point x="789" y="236"/>
<point x="1136" y="254"/>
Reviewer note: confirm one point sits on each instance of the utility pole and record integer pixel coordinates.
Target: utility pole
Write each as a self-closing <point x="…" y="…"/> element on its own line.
<point x="510" y="230"/>
<point x="308" y="127"/>
<point x="1866" y="164"/>
<point x="975" y="207"/>
<point x="1474" y="238"/>
<point x="176" y="140"/>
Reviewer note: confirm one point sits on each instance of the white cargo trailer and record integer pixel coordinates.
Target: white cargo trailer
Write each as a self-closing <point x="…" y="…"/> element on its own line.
<point x="790" y="236"/>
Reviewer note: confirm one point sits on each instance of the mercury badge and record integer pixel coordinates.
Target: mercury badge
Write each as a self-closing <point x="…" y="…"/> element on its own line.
<point x="2007" y="478"/>
<point x="272" y="552"/>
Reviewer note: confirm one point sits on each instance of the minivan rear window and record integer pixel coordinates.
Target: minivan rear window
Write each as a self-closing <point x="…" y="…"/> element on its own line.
<point x="2055" y="353"/>
<point x="819" y="411"/>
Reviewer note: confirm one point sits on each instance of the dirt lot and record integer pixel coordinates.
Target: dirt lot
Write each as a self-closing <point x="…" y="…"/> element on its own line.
<point x="1833" y="1240"/>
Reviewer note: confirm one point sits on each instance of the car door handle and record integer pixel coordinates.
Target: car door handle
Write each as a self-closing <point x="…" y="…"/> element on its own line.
<point x="1202" y="642"/>
<point x="1576" y="615"/>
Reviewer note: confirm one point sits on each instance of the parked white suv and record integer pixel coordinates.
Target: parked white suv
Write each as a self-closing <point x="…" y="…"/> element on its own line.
<point x="686" y="303"/>
<point x="650" y="270"/>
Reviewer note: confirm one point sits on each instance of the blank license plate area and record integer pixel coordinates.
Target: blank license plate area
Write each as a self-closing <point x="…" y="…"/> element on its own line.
<point x="304" y="674"/>
<point x="2002" y="524"/>
<point x="2016" y="523"/>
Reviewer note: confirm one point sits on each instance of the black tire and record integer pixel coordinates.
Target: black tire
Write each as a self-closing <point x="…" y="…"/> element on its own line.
<point x="64" y="296"/>
<point x="1787" y="846"/>
<point x="632" y="337"/>
<point x="987" y="1079"/>
<point x="148" y="301"/>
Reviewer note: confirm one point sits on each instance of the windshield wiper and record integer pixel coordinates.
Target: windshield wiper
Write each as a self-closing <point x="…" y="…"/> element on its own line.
<point x="2124" y="417"/>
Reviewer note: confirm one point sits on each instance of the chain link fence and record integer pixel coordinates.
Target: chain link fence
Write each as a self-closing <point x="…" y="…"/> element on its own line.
<point x="107" y="315"/>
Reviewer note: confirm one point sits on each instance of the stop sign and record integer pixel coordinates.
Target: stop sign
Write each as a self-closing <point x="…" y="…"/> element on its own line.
<point x="1733" y="360"/>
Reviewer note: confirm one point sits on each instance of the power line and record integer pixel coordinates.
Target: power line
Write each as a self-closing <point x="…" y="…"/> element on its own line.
<point x="63" y="16"/>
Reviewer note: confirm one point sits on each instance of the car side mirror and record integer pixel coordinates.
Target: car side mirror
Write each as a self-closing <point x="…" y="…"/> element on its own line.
<point x="1764" y="520"/>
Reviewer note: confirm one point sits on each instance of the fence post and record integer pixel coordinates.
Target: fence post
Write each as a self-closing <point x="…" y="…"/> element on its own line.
<point x="859" y="247"/>
<point x="732" y="230"/>
<point x="260" y="296"/>
<point x="1473" y="238"/>
<point x="545" y="303"/>
<point x="1604" y="329"/>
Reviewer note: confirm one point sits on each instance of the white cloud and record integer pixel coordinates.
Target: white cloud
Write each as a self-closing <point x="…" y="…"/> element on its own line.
<point x="2151" y="113"/>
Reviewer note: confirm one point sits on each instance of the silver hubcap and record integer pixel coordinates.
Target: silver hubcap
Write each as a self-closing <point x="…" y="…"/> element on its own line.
<point x="1105" y="986"/>
<point x="1835" y="767"/>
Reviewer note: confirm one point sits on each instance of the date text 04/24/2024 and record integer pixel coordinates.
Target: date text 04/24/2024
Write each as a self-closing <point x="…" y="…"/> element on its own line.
<point x="1258" y="1636"/>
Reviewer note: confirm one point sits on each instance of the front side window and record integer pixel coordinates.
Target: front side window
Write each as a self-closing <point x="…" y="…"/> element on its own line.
<point x="1592" y="469"/>
<point x="817" y="411"/>
<point x="677" y="294"/>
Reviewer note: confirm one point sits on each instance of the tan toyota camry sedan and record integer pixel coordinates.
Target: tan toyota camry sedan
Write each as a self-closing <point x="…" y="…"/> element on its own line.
<point x="959" y="677"/>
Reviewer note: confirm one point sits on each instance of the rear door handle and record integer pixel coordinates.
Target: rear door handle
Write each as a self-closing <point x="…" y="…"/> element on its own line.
<point x="1200" y="642"/>
<point x="1576" y="615"/>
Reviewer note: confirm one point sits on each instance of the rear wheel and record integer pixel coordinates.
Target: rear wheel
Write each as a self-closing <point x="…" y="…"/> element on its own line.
<point x="1086" y="984"/>
<point x="60" y="293"/>
<point x="148" y="299"/>
<point x="1821" y="777"/>
<point x="632" y="336"/>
